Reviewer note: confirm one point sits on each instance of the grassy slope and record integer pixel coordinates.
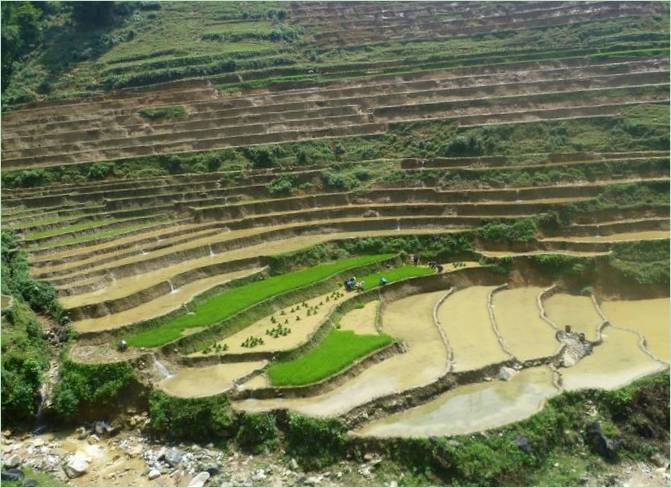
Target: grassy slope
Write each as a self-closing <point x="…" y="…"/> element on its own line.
<point x="184" y="40"/>
<point x="226" y="304"/>
<point x="338" y="350"/>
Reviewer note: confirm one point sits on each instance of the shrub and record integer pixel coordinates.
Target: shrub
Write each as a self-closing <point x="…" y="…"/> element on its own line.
<point x="462" y="146"/>
<point x="89" y="386"/>
<point x="338" y="181"/>
<point x="257" y="432"/>
<point x="189" y="418"/>
<point x="315" y="442"/>
<point x="522" y="230"/>
<point x="169" y="112"/>
<point x="282" y="185"/>
<point x="99" y="171"/>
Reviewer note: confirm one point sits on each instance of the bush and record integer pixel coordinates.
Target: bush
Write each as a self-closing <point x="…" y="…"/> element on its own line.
<point x="315" y="442"/>
<point x="282" y="185"/>
<point x="257" y="432"/>
<point x="190" y="418"/>
<point x="24" y="358"/>
<point x="462" y="146"/>
<point x="89" y="386"/>
<point x="338" y="181"/>
<point x="170" y="112"/>
<point x="99" y="171"/>
<point x="522" y="230"/>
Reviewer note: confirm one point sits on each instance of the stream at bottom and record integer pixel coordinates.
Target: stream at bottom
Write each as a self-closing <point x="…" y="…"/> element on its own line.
<point x="470" y="408"/>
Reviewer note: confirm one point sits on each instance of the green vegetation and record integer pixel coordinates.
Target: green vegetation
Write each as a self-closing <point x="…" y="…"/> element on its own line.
<point x="117" y="231"/>
<point x="257" y="433"/>
<point x="314" y="442"/>
<point x="637" y="414"/>
<point x="16" y="281"/>
<point x="392" y="275"/>
<point x="638" y="128"/>
<point x="90" y="387"/>
<point x="199" y="419"/>
<point x="170" y="112"/>
<point x="42" y="479"/>
<point x="337" y="351"/>
<point x="645" y="262"/>
<point x="24" y="360"/>
<point x="521" y="230"/>
<point x="224" y="305"/>
<point x="56" y="231"/>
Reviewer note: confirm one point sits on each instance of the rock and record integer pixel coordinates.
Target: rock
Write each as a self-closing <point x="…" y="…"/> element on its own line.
<point x="368" y="457"/>
<point x="153" y="474"/>
<point x="12" y="474"/>
<point x="523" y="443"/>
<point x="92" y="439"/>
<point x="81" y="433"/>
<point x="213" y="469"/>
<point x="29" y="482"/>
<point x="659" y="460"/>
<point x="293" y="464"/>
<point x="102" y="428"/>
<point x="260" y="475"/>
<point x="600" y="443"/>
<point x="313" y="480"/>
<point x="506" y="373"/>
<point x="77" y="465"/>
<point x="173" y="457"/>
<point x="393" y="484"/>
<point x="11" y="462"/>
<point x="199" y="480"/>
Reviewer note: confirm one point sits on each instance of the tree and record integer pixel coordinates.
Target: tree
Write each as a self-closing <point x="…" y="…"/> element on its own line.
<point x="92" y="14"/>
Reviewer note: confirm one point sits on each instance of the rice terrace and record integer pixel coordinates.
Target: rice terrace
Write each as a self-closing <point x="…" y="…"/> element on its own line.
<point x="335" y="243"/>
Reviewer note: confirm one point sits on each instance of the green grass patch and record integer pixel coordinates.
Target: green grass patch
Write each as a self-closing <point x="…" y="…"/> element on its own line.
<point x="224" y="305"/>
<point x="42" y="479"/>
<point x="169" y="112"/>
<point x="73" y="228"/>
<point x="396" y="274"/>
<point x="340" y="349"/>
<point x="94" y="237"/>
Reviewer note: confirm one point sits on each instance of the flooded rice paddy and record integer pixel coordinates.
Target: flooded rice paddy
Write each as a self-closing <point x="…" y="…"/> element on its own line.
<point x="470" y="408"/>
<point x="208" y="380"/>
<point x="301" y="330"/>
<point x="618" y="361"/>
<point x="525" y="335"/>
<point x="650" y="318"/>
<point x="410" y="320"/>
<point x="361" y="320"/>
<point x="577" y="311"/>
<point x="465" y="320"/>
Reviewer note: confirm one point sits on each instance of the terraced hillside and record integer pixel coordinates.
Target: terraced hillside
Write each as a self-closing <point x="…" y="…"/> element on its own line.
<point x="202" y="201"/>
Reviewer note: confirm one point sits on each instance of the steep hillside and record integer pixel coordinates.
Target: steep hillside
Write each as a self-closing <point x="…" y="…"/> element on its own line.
<point x="186" y="190"/>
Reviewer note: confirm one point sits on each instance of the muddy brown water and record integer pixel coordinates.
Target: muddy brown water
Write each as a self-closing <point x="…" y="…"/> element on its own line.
<point x="465" y="320"/>
<point x="361" y="320"/>
<point x="650" y="318"/>
<point x="409" y="319"/>
<point x="615" y="363"/>
<point x="577" y="311"/>
<point x="525" y="335"/>
<point x="208" y="380"/>
<point x="470" y="408"/>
